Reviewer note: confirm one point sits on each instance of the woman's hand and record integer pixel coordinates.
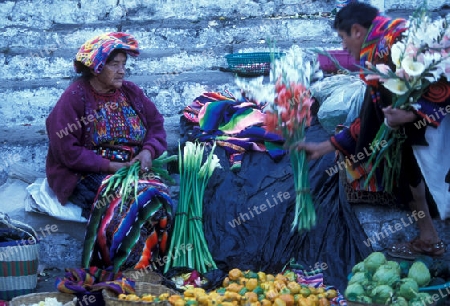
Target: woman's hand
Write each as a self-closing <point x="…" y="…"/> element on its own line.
<point x="114" y="166"/>
<point x="396" y="117"/>
<point x="314" y="150"/>
<point x="145" y="157"/>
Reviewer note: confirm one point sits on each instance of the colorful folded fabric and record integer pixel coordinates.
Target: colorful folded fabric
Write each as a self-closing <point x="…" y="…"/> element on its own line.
<point x="86" y="281"/>
<point x="236" y="124"/>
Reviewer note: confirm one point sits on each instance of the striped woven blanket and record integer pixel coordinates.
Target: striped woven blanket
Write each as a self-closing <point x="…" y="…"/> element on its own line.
<point x="237" y="125"/>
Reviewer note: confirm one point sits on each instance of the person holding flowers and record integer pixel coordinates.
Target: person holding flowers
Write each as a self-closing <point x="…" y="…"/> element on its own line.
<point x="399" y="94"/>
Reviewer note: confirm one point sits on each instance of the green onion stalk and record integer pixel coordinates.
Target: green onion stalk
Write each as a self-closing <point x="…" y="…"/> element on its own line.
<point x="126" y="179"/>
<point x="188" y="226"/>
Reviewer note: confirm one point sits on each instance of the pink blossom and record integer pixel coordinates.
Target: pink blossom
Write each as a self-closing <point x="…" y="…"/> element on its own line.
<point x="371" y="77"/>
<point x="384" y="69"/>
<point x="401" y="73"/>
<point x="411" y="50"/>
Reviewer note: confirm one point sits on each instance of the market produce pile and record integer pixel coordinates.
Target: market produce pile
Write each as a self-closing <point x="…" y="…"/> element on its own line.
<point x="287" y="288"/>
<point x="386" y="282"/>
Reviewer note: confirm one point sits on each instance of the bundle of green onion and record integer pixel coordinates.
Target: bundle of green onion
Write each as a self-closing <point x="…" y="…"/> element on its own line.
<point x="127" y="178"/>
<point x="188" y="227"/>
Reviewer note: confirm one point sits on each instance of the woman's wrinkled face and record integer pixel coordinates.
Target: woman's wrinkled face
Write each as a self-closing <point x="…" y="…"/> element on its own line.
<point x="112" y="75"/>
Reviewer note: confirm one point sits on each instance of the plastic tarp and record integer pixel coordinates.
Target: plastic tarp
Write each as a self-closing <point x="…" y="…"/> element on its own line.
<point x="240" y="236"/>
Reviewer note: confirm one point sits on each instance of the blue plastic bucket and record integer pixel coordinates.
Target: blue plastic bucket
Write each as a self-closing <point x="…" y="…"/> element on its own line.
<point x="342" y="3"/>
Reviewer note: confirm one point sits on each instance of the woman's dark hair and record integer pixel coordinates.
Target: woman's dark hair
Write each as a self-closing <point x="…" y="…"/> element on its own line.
<point x="85" y="71"/>
<point x="355" y="13"/>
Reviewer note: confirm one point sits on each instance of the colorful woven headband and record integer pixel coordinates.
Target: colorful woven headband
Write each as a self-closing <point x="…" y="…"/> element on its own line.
<point x="94" y="52"/>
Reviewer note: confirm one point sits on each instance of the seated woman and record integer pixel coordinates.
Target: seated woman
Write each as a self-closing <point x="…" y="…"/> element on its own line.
<point x="100" y="124"/>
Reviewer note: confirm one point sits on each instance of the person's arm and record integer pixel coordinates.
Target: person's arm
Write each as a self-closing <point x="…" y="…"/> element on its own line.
<point x="345" y="140"/>
<point x="65" y="131"/>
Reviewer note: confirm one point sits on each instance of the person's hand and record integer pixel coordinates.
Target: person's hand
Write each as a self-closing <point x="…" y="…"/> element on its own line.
<point x="314" y="150"/>
<point x="114" y="166"/>
<point x="396" y="117"/>
<point x="145" y="157"/>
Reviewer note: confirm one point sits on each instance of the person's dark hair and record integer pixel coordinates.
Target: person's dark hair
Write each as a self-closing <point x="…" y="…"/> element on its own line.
<point x="355" y="13"/>
<point x="86" y="71"/>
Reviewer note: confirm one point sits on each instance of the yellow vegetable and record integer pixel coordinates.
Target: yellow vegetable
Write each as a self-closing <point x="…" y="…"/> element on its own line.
<point x="189" y="292"/>
<point x="250" y="297"/>
<point x="266" y="302"/>
<point x="173" y="298"/>
<point x="232" y="296"/>
<point x="271" y="295"/>
<point x="180" y="302"/>
<point x="203" y="300"/>
<point x="251" y="284"/>
<point x="270" y="277"/>
<point x="281" y="278"/>
<point x="324" y="302"/>
<point x="199" y="291"/>
<point x="288" y="299"/>
<point x="302" y="301"/>
<point x="132" y="297"/>
<point x="122" y="296"/>
<point x="234" y="274"/>
<point x="279" y="302"/>
<point x="164" y="296"/>
<point x="313" y="299"/>
<point x="294" y="287"/>
<point x="261" y="276"/>
<point x="234" y="287"/>
<point x="147" y="298"/>
<point x="330" y="294"/>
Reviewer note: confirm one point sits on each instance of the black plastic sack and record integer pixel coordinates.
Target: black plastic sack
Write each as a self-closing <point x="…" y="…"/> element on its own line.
<point x="241" y="237"/>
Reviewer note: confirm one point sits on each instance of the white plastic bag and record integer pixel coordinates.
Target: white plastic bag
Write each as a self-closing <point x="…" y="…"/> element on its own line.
<point x="340" y="98"/>
<point x="43" y="200"/>
<point x="434" y="165"/>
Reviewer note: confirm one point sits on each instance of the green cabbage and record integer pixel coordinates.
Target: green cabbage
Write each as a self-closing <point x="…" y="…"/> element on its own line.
<point x="386" y="275"/>
<point x="399" y="301"/>
<point x="422" y="299"/>
<point x="368" y="288"/>
<point x="374" y="261"/>
<point x="364" y="299"/>
<point x="382" y="294"/>
<point x="353" y="291"/>
<point x="359" y="267"/>
<point x="394" y="265"/>
<point x="408" y="288"/>
<point x="420" y="273"/>
<point x="358" y="277"/>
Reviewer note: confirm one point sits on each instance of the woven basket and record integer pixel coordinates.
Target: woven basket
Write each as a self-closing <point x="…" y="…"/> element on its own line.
<point x="18" y="261"/>
<point x="141" y="288"/>
<point x="251" y="64"/>
<point x="35" y="298"/>
<point x="145" y="276"/>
